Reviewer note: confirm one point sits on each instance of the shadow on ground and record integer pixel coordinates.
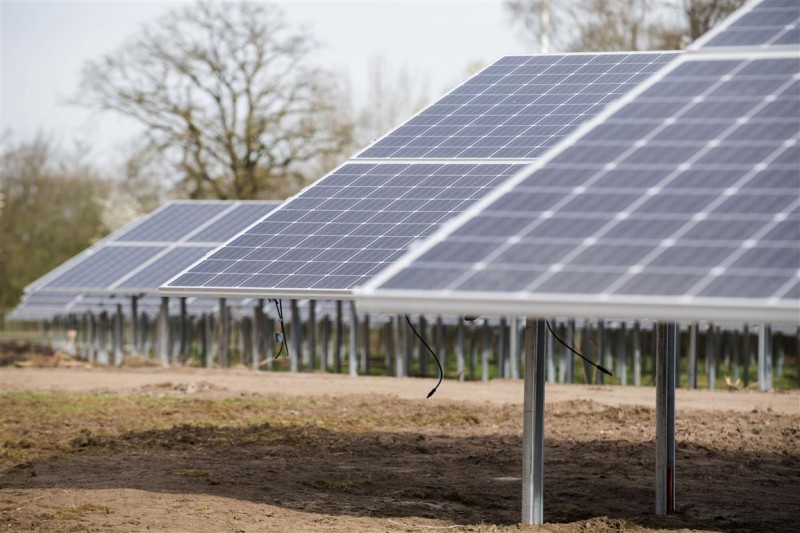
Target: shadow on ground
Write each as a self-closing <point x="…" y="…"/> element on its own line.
<point x="467" y="479"/>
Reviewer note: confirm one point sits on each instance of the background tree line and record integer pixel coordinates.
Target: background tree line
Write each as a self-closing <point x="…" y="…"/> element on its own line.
<point x="233" y="105"/>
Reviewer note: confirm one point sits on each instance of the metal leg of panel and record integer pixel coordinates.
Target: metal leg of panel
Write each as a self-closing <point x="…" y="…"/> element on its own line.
<point x="694" y="348"/>
<point x="440" y="351"/>
<point x="513" y="348"/>
<point x="337" y="346"/>
<point x="353" y="362"/>
<point x="422" y="354"/>
<point x="502" y="357"/>
<point x="622" y="354"/>
<point x="601" y="345"/>
<point x="312" y="335"/>
<point x="637" y="355"/>
<point x="460" y="363"/>
<point x="295" y="358"/>
<point x="119" y="322"/>
<point x="551" y="354"/>
<point x="533" y="424"/>
<point x="486" y="350"/>
<point x="666" y="352"/>
<point x="365" y="352"/>
<point x="764" y="357"/>
<point x="711" y="357"/>
<point x="326" y="344"/>
<point x="389" y="346"/>
<point x="162" y="332"/>
<point x="400" y="360"/>
<point x="134" y="338"/>
<point x="588" y="376"/>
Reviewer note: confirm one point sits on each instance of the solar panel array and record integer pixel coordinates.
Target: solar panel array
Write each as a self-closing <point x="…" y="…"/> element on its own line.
<point x="352" y="223"/>
<point x="765" y="24"/>
<point x="689" y="191"/>
<point x="336" y="234"/>
<point x="518" y="107"/>
<point x="148" y="252"/>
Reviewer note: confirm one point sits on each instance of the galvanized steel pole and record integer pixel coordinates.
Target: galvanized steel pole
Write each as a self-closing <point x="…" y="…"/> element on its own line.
<point x="666" y="348"/>
<point x="533" y="424"/>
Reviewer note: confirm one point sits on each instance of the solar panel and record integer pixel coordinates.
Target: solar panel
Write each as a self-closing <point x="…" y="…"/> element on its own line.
<point x="149" y="251"/>
<point x="340" y="231"/>
<point x="762" y="23"/>
<point x="689" y="193"/>
<point x="162" y="269"/>
<point x="173" y="222"/>
<point x="518" y="107"/>
<point x="40" y="305"/>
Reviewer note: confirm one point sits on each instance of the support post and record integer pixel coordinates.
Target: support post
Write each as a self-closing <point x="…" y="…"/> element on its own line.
<point x="408" y="345"/>
<point x="487" y="350"/>
<point x="119" y="322"/>
<point x="666" y="348"/>
<point x="622" y="354"/>
<point x="162" y="331"/>
<point x="337" y="347"/>
<point x="389" y="345"/>
<point x="602" y="336"/>
<point x="400" y="361"/>
<point x="183" y="326"/>
<point x="223" y="346"/>
<point x="259" y="351"/>
<point x="711" y="357"/>
<point x="312" y="334"/>
<point x="765" y="357"/>
<point x="134" y="325"/>
<point x="533" y="424"/>
<point x="694" y="348"/>
<point x="365" y="355"/>
<point x="460" y="367"/>
<point x="637" y="355"/>
<point x="440" y="351"/>
<point x="324" y="360"/>
<point x="296" y="358"/>
<point x="513" y="347"/>
<point x="551" y="362"/>
<point x="502" y="360"/>
<point x="586" y="344"/>
<point x="422" y="353"/>
<point x="353" y="364"/>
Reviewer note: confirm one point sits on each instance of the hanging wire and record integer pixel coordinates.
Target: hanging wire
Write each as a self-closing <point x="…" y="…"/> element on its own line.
<point x="441" y="370"/>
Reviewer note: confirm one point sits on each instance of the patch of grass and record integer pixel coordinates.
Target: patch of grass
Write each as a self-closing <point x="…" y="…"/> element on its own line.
<point x="419" y="494"/>
<point x="460" y="497"/>
<point x="78" y="511"/>
<point x="339" y="484"/>
<point x="196" y="473"/>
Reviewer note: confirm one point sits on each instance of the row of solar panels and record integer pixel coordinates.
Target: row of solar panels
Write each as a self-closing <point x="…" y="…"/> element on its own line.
<point x="658" y="185"/>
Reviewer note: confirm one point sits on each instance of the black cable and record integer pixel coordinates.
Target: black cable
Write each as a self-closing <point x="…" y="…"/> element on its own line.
<point x="571" y="349"/>
<point x="441" y="370"/>
<point x="279" y="310"/>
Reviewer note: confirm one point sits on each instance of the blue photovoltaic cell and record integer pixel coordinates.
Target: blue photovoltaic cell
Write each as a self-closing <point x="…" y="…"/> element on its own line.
<point x="691" y="189"/>
<point x="103" y="267"/>
<point x="234" y="222"/>
<point x="163" y="268"/>
<point x="347" y="226"/>
<point x="125" y="262"/>
<point x="518" y="107"/>
<point x="173" y="222"/>
<point x="770" y="23"/>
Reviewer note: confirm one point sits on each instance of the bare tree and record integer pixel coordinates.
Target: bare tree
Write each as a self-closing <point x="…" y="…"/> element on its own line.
<point x="49" y="210"/>
<point x="392" y="96"/>
<point x="229" y="95"/>
<point x="617" y="25"/>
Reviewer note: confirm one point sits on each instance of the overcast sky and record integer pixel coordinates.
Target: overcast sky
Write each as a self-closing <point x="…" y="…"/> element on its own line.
<point x="44" y="45"/>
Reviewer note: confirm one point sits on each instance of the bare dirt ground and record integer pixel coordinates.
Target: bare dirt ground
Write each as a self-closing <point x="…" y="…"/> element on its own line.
<point x="146" y="449"/>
